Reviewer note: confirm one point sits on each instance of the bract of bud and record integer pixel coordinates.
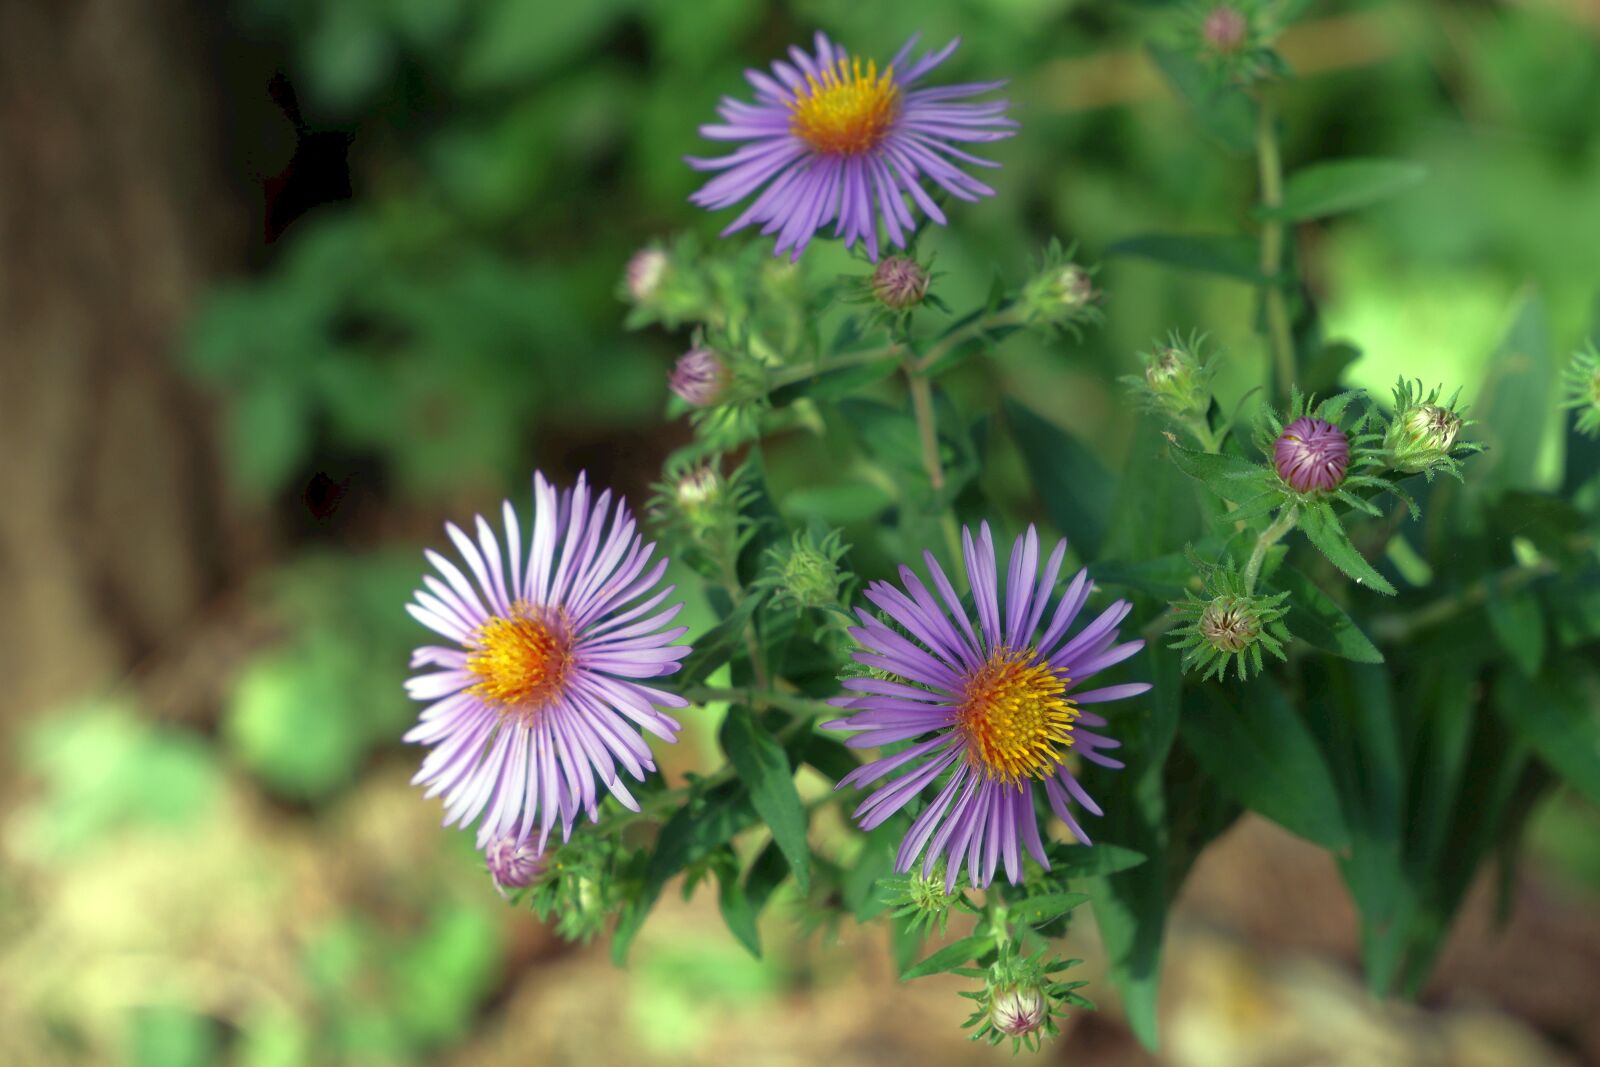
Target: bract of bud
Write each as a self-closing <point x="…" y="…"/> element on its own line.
<point x="644" y="273"/>
<point x="1581" y="386"/>
<point x="513" y="864"/>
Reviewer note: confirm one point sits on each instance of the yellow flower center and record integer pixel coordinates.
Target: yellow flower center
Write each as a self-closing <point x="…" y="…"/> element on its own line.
<point x="521" y="659"/>
<point x="848" y="111"/>
<point x="1014" y="718"/>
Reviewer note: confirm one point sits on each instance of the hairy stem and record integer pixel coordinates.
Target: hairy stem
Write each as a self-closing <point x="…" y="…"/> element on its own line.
<point x="1270" y="164"/>
<point x="1399" y="627"/>
<point x="1269" y="537"/>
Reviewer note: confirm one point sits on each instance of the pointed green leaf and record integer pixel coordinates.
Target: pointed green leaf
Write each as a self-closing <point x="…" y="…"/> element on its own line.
<point x="950" y="957"/>
<point x="1512" y="408"/>
<point x="764" y="768"/>
<point x="1090" y="861"/>
<point x="1323" y="529"/>
<point x="1037" y="910"/>
<point x="1558" y="715"/>
<point x="1072" y="483"/>
<point x="1259" y="751"/>
<point x="1341" y="185"/>
<point x="1517" y="621"/>
<point x="1317" y="620"/>
<point x="1230" y="477"/>
<point x="716" y="646"/>
<point x="1227" y="255"/>
<point x="737" y="912"/>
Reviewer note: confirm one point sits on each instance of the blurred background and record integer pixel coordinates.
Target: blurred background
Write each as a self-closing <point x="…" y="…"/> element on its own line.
<point x="284" y="284"/>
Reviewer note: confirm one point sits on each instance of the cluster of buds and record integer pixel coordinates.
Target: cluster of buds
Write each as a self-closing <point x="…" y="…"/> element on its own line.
<point x="1581" y="385"/>
<point x="1234" y="38"/>
<point x="1226" y="626"/>
<point x="1176" y="382"/>
<point x="1061" y="294"/>
<point x="805" y="573"/>
<point x="1021" y="999"/>
<point x="1421" y="438"/>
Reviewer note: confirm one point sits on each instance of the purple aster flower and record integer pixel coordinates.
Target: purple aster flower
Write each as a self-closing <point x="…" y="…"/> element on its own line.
<point x="999" y="699"/>
<point x="538" y="695"/>
<point x="698" y="377"/>
<point x="1311" y="455"/>
<point x="513" y="863"/>
<point x="832" y="140"/>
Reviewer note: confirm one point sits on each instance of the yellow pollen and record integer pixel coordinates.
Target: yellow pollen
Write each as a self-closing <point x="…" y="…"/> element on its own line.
<point x="848" y="111"/>
<point x="1014" y="718"/>
<point x="521" y="660"/>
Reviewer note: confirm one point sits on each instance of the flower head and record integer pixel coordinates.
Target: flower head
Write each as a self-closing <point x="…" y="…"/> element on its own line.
<point x="1227" y="626"/>
<point x="1176" y="380"/>
<point x="899" y="282"/>
<point x="1311" y="455"/>
<point x="1019" y="1011"/>
<point x="513" y="863"/>
<point x="540" y="695"/>
<point x="995" y="703"/>
<point x="699" y="377"/>
<point x="1421" y="438"/>
<point x="831" y="138"/>
<point x="1061" y="294"/>
<point x="1225" y="29"/>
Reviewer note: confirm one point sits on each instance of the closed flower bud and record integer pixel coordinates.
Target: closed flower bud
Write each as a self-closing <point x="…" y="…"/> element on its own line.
<point x="806" y="572"/>
<point x="699" y="377"/>
<point x="1420" y="439"/>
<point x="1581" y="386"/>
<point x="899" y="282"/>
<point x="1018" y="1011"/>
<point x="698" y="490"/>
<point x="1225" y="29"/>
<point x="644" y="273"/>
<point x="1311" y="455"/>
<point x="1061" y="295"/>
<point x="513" y="864"/>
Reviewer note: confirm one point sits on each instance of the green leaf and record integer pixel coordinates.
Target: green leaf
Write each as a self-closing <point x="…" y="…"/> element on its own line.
<point x="953" y="955"/>
<point x="1227" y="255"/>
<point x="1090" y="861"/>
<point x="764" y="769"/>
<point x="1223" y="112"/>
<point x="1512" y="408"/>
<point x="738" y="912"/>
<point x="1229" y="477"/>
<point x="1130" y="905"/>
<point x="1517" y="621"/>
<point x="1317" y="620"/>
<point x="1341" y="185"/>
<point x="1323" y="529"/>
<point x="1074" y="486"/>
<point x="1037" y="910"/>
<point x="1259" y="751"/>
<point x="1558" y="715"/>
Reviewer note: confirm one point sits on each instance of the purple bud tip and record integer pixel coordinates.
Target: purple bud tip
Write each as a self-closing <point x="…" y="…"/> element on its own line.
<point x="1225" y="29"/>
<point x="1018" y="1012"/>
<point x="513" y="864"/>
<point x="1311" y="455"/>
<point x="698" y="377"/>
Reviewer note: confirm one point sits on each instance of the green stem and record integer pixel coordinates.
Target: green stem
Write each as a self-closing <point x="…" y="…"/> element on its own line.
<point x="752" y="643"/>
<point x="790" y="375"/>
<point x="756" y="697"/>
<point x="1399" y="627"/>
<point x="1269" y="537"/>
<point x="961" y="335"/>
<point x="927" y="425"/>
<point x="1270" y="164"/>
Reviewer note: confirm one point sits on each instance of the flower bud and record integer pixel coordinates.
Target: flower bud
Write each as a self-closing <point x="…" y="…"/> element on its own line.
<point x="1176" y="381"/>
<point x="1311" y="455"/>
<point x="513" y="863"/>
<point x="644" y="273"/>
<point x="1018" y="1011"/>
<point x="1061" y="295"/>
<point x="899" y="282"/>
<point x="806" y="573"/>
<point x="1229" y="624"/>
<point x="1225" y="29"/>
<point x="1420" y="439"/>
<point x="698" y="490"/>
<point x="699" y="377"/>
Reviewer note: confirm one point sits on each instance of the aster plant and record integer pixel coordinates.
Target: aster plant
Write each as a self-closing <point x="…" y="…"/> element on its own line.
<point x="1263" y="600"/>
